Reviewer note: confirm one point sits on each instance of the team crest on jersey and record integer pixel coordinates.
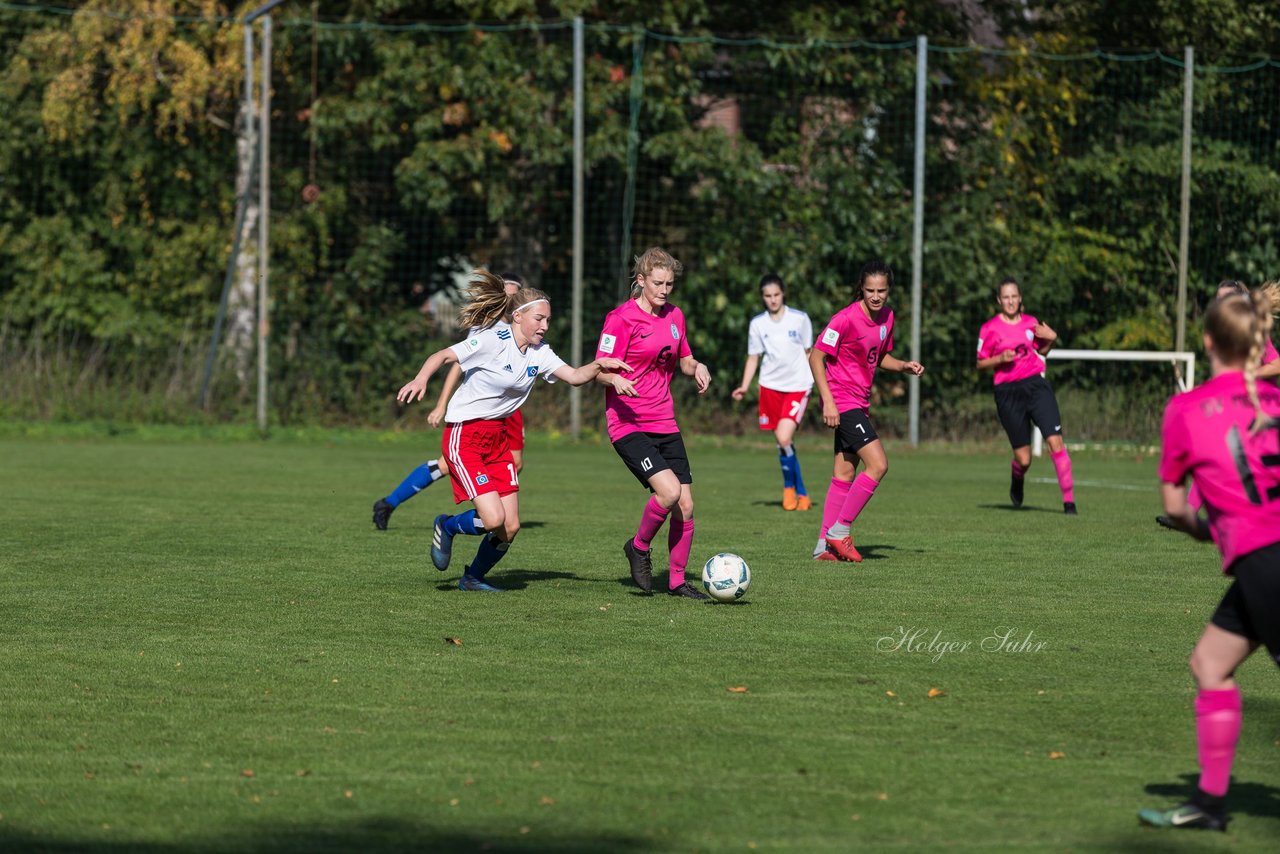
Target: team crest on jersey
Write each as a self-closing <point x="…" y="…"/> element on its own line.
<point x="532" y="371"/>
<point x="675" y="333"/>
<point x="1030" y="335"/>
<point x="884" y="333"/>
<point x="607" y="343"/>
<point x="830" y="337"/>
<point x="504" y="334"/>
<point x="791" y="333"/>
<point x="481" y="480"/>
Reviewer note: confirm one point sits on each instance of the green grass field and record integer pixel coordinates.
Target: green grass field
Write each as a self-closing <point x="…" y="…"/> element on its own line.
<point x="207" y="647"/>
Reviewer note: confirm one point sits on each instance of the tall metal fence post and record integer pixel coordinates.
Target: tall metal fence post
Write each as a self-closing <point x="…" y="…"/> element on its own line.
<point x="917" y="233"/>
<point x="579" y="53"/>
<point x="264" y="230"/>
<point x="1184" y="214"/>
<point x="633" y="154"/>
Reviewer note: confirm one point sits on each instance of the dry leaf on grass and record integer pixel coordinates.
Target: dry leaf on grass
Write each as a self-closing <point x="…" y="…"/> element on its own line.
<point x="453" y="641"/>
<point x="937" y="692"/>
<point x="1057" y="754"/>
<point x="890" y="694"/>
<point x="248" y="772"/>
<point x="737" y="689"/>
<point x="547" y="800"/>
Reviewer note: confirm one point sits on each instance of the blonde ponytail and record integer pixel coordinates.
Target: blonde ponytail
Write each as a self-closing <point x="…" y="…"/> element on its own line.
<point x="487" y="301"/>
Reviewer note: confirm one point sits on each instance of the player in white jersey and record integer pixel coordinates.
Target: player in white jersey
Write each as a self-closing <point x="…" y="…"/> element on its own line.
<point x="500" y="364"/>
<point x="778" y="340"/>
<point x="433" y="470"/>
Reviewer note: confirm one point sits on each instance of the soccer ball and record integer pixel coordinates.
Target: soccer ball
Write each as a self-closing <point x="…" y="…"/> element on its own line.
<point x="726" y="577"/>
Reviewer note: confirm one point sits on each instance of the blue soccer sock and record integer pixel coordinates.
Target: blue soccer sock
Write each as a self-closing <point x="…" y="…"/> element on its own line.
<point x="490" y="552"/>
<point x="418" y="480"/>
<point x="795" y="469"/>
<point x="464" y="523"/>
<point x="785" y="459"/>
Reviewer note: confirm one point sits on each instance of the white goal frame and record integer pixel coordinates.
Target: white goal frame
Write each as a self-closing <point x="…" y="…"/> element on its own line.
<point x="1186" y="377"/>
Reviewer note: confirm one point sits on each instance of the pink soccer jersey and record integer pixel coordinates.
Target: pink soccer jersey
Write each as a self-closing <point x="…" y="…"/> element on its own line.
<point x="1206" y="435"/>
<point x="997" y="335"/>
<point x="855" y="344"/>
<point x="1269" y="353"/>
<point x="653" y="346"/>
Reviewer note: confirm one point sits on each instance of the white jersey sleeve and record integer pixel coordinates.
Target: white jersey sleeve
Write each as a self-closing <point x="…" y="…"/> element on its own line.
<point x="755" y="338"/>
<point x="476" y="348"/>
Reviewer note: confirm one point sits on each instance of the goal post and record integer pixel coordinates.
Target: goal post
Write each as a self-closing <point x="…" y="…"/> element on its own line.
<point x="1186" y="376"/>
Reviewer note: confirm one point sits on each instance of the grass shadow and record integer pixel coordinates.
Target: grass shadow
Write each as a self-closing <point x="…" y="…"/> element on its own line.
<point x="519" y="579"/>
<point x="1243" y="798"/>
<point x="871" y="551"/>
<point x="376" y="834"/>
<point x="1023" y="509"/>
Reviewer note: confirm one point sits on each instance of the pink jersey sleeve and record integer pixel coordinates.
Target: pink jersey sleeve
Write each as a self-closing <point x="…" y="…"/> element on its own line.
<point x="829" y="341"/>
<point x="683" y="349"/>
<point x="984" y="341"/>
<point x="1269" y="353"/>
<point x="1174" y="444"/>
<point x="613" y="337"/>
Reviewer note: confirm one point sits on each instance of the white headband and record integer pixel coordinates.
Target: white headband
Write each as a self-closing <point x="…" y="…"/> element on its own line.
<point x="531" y="302"/>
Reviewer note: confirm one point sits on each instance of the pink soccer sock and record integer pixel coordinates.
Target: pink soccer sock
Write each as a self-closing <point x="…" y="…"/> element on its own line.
<point x="1062" y="465"/>
<point x="1019" y="470"/>
<point x="860" y="493"/>
<point x="836" y="495"/>
<point x="654" y="515"/>
<point x="679" y="541"/>
<point x="1217" y="730"/>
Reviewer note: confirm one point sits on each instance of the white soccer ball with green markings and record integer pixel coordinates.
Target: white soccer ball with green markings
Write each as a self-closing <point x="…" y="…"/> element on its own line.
<point x="726" y="577"/>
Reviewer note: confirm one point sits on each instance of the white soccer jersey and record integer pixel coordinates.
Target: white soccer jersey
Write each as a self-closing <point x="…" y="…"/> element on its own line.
<point x="782" y="343"/>
<point x="496" y="376"/>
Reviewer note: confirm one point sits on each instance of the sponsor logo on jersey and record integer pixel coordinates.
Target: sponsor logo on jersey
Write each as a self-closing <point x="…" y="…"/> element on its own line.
<point x="979" y="345"/>
<point x="884" y="332"/>
<point x="532" y="371"/>
<point x="830" y="337"/>
<point x="471" y="344"/>
<point x="507" y="368"/>
<point x="792" y="333"/>
<point x="481" y="480"/>
<point x="504" y="334"/>
<point x="675" y="333"/>
<point x="607" y="343"/>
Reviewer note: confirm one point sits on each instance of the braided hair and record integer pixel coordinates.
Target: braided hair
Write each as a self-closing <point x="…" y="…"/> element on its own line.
<point x="1239" y="325"/>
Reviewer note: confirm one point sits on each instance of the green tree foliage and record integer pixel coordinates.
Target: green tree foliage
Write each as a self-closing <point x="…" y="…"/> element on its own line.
<point x="402" y="154"/>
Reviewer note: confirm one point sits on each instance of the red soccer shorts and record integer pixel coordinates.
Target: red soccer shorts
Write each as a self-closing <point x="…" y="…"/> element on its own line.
<point x="777" y="405"/>
<point x="479" y="458"/>
<point x="515" y="430"/>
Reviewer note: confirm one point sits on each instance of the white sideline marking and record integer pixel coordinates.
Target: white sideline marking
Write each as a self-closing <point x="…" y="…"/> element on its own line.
<point x="1153" y="488"/>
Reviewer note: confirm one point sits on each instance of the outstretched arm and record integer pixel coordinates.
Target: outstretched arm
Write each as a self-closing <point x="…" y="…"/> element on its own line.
<point x="593" y="371"/>
<point x="416" y="388"/>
